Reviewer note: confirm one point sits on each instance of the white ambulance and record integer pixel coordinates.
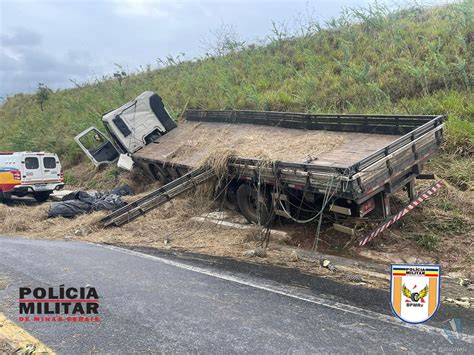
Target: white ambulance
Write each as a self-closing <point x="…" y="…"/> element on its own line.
<point x="29" y="173"/>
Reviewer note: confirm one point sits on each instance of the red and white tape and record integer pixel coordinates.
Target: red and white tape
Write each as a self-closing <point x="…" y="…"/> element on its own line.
<point x="383" y="227"/>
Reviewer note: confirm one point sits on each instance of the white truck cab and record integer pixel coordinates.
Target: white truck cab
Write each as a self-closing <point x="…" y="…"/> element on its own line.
<point x="130" y="127"/>
<point x="35" y="173"/>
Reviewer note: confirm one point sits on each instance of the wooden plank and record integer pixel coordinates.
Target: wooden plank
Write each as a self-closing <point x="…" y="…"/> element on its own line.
<point x="341" y="210"/>
<point x="344" y="229"/>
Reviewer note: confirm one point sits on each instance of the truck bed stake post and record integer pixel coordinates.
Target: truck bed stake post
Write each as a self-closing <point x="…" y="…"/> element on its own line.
<point x="386" y="205"/>
<point x="411" y="190"/>
<point x="382" y="204"/>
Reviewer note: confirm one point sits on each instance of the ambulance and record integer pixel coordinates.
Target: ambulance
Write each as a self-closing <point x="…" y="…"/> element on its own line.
<point x="29" y="173"/>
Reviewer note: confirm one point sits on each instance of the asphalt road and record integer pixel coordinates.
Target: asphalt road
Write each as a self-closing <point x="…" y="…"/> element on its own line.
<point x="160" y="304"/>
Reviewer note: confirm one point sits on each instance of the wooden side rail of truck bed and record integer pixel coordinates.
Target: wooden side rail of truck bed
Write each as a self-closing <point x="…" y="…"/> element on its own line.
<point x="422" y="136"/>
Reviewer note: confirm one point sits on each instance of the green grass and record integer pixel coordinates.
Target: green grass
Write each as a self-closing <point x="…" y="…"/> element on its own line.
<point x="69" y="178"/>
<point x="454" y="168"/>
<point x="470" y="258"/>
<point x="429" y="242"/>
<point x="452" y="226"/>
<point x="414" y="60"/>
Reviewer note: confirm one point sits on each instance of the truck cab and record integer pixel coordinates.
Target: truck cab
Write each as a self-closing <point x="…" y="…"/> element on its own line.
<point x="129" y="128"/>
<point x="29" y="173"/>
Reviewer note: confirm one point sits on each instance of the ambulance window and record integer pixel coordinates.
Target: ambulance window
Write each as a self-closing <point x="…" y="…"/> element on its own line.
<point x="49" y="163"/>
<point x="31" y="163"/>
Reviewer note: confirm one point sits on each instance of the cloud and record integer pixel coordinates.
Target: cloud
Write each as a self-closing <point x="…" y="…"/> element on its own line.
<point x="145" y="8"/>
<point x="21" y="37"/>
<point x="24" y="63"/>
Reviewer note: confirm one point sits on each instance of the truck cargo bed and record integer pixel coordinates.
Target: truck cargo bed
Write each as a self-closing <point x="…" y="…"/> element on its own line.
<point x="364" y="154"/>
<point x="191" y="142"/>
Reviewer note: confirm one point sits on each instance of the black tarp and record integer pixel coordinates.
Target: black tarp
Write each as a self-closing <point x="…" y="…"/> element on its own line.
<point x="80" y="202"/>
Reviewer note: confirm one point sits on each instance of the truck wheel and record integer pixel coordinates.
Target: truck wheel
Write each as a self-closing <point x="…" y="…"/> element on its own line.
<point x="41" y="196"/>
<point x="5" y="197"/>
<point x="248" y="200"/>
<point x="228" y="198"/>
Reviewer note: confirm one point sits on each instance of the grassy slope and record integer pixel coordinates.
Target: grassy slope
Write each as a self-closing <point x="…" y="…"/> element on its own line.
<point x="415" y="61"/>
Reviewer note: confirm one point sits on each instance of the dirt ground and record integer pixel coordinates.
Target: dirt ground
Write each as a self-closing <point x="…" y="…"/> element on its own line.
<point x="439" y="231"/>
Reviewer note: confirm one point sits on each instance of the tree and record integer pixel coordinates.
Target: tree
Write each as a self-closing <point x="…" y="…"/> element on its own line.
<point x="42" y="94"/>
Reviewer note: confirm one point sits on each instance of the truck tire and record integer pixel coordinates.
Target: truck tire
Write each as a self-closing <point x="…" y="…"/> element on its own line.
<point x="247" y="199"/>
<point x="5" y="197"/>
<point x="228" y="198"/>
<point x="41" y="196"/>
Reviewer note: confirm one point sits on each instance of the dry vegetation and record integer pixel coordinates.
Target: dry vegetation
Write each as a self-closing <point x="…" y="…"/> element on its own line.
<point x="194" y="143"/>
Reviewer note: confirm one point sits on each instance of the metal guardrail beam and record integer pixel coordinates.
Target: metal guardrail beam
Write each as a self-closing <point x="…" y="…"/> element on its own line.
<point x="157" y="198"/>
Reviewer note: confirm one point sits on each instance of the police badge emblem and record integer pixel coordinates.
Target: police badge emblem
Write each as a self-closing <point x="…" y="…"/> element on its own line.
<point x="415" y="291"/>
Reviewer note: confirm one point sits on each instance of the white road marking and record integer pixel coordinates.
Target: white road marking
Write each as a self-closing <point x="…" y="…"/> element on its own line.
<point x="292" y="292"/>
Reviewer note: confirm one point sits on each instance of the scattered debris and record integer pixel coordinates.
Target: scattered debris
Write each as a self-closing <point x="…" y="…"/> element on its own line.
<point x="249" y="253"/>
<point x="80" y="202"/>
<point x="355" y="278"/>
<point x="465" y="302"/>
<point x="294" y="256"/>
<point x="83" y="231"/>
<point x="123" y="190"/>
<point x="260" y="252"/>
<point x="328" y="265"/>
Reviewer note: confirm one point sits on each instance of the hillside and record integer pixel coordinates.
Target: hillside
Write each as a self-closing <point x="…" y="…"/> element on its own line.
<point x="417" y="60"/>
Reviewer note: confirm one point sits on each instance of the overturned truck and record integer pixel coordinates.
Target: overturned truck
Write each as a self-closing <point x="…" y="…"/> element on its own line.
<point x="294" y="165"/>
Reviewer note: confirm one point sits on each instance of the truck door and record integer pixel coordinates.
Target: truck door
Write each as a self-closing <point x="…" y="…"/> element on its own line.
<point x="32" y="169"/>
<point x="97" y="146"/>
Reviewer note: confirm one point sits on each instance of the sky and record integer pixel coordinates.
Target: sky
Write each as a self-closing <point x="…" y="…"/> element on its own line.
<point x="59" y="41"/>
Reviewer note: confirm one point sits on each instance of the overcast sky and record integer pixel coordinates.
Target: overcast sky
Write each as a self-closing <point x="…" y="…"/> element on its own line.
<point x="53" y="41"/>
